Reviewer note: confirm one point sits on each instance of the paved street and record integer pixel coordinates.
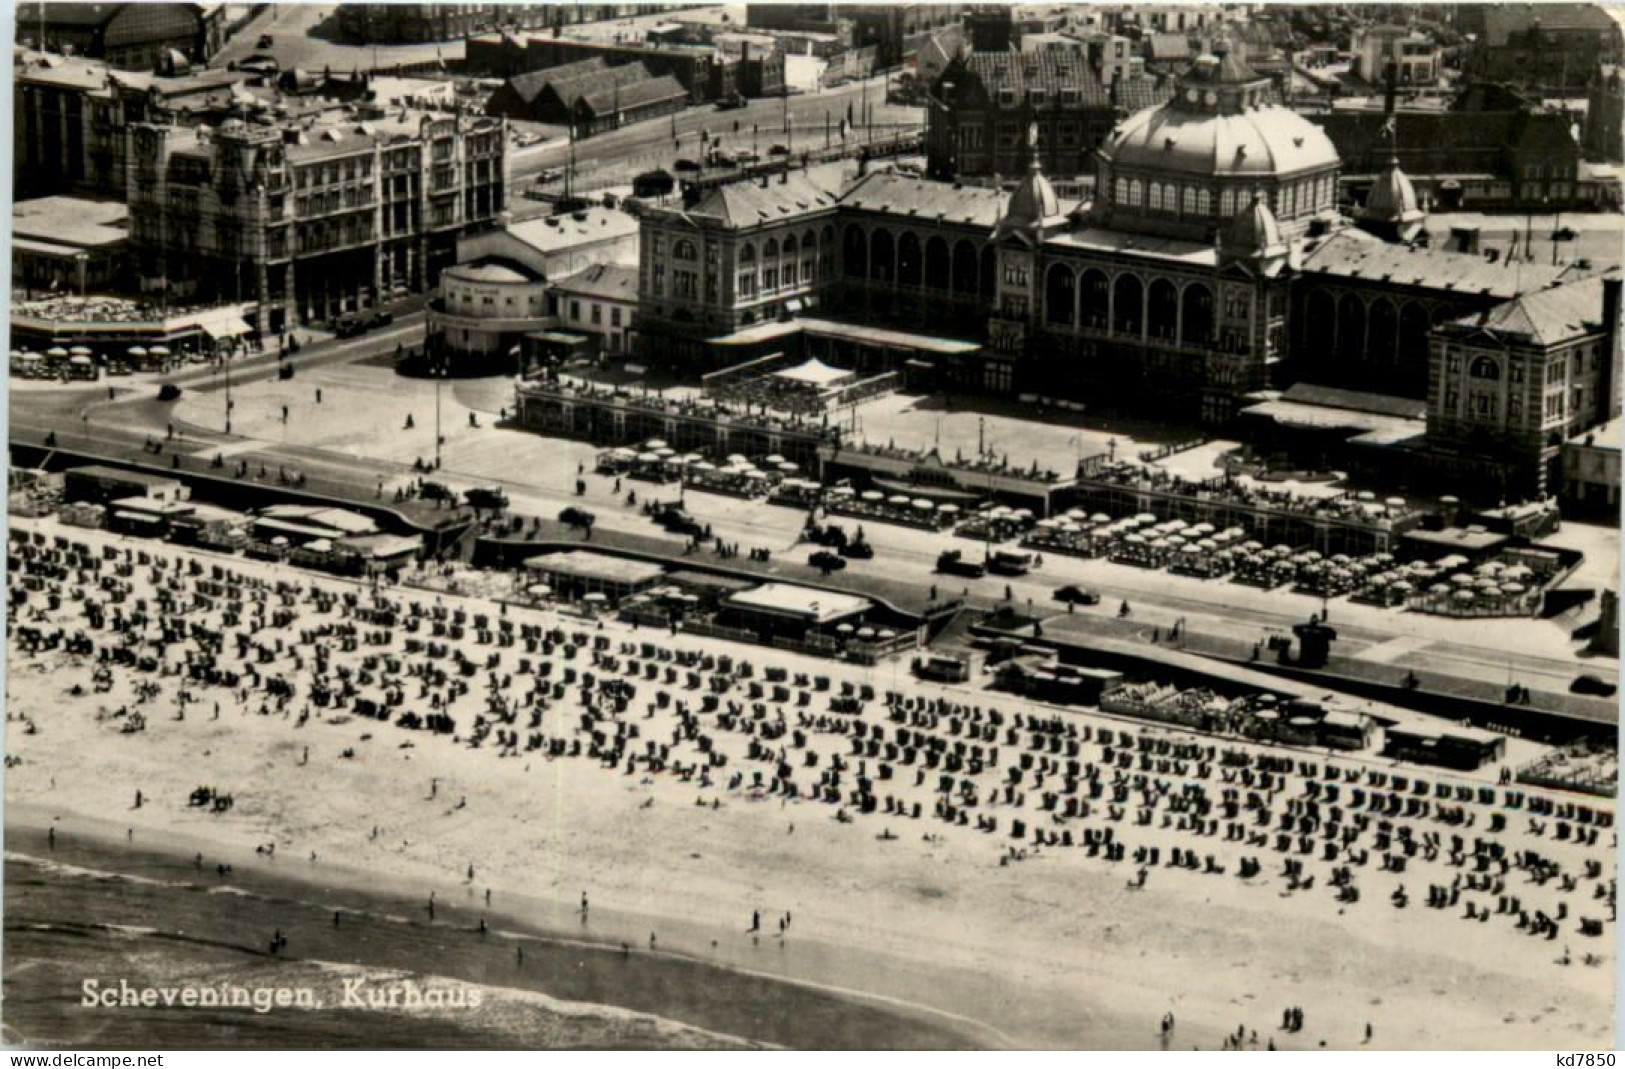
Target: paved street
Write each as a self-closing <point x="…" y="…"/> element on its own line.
<point x="357" y="437"/>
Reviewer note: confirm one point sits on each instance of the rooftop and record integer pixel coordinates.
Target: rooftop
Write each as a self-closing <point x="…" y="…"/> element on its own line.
<point x="805" y="603"/>
<point x="585" y="564"/>
<point x="494" y="269"/>
<point x="1098" y="239"/>
<point x="1603" y="436"/>
<point x="751" y="203"/>
<point x="1350" y="254"/>
<point x="899" y="194"/>
<point x="71" y="221"/>
<point x="607" y="281"/>
<point x="1050" y="71"/>
<point x="553" y="233"/>
<point x="1546" y="317"/>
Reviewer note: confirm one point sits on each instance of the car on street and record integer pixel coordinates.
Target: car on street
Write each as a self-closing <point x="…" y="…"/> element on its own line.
<point x="349" y="327"/>
<point x="778" y="150"/>
<point x="381" y="319"/>
<point x="686" y="165"/>
<point x="486" y="497"/>
<point x="827" y="562"/>
<point x="954" y="562"/>
<point x="433" y="491"/>
<point x="169" y="392"/>
<point x="747" y="158"/>
<point x="576" y="517"/>
<point x="1076" y="595"/>
<point x="857" y="549"/>
<point x="265" y="41"/>
<point x="1590" y="683"/>
<point x="549" y="176"/>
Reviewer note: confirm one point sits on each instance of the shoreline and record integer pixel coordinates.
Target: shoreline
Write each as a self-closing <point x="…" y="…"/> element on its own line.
<point x="512" y="917"/>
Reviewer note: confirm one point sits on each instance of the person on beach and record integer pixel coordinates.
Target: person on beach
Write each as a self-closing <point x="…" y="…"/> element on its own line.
<point x="583" y="902"/>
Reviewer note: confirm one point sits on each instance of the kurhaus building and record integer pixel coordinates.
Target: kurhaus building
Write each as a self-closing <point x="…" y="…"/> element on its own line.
<point x="1211" y="267"/>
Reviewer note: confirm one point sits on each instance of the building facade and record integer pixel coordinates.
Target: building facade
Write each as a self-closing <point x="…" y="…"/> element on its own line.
<point x="1603" y="135"/>
<point x="741" y="254"/>
<point x="134" y="37"/>
<point x="1509" y="387"/>
<point x="1557" y="48"/>
<point x="599" y="302"/>
<point x="316" y="222"/>
<point x="1413" y="57"/>
<point x="407" y="23"/>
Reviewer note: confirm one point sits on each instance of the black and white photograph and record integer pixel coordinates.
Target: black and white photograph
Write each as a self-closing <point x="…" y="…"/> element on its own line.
<point x="779" y="526"/>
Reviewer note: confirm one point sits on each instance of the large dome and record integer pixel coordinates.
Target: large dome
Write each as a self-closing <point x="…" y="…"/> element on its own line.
<point x="1263" y="141"/>
<point x="1185" y="167"/>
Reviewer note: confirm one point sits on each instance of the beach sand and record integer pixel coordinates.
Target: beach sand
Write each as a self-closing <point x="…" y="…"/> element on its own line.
<point x="1052" y="951"/>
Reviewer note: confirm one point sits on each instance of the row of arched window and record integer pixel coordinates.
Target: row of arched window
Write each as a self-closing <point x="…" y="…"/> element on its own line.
<point x="1288" y="200"/>
<point x="1127" y="305"/>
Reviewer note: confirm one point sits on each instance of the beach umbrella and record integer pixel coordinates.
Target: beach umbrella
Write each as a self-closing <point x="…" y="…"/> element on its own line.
<point x="841" y="491"/>
<point x="1378" y="580"/>
<point x="774" y="458"/>
<point x="538" y="589"/>
<point x="158" y="350"/>
<point x="56" y="352"/>
<point x="1365" y="495"/>
<point x="1022" y="514"/>
<point x="786" y="466"/>
<point x="1439" y="588"/>
<point x="1395" y="502"/>
<point x="665" y="451"/>
<point x="79" y="350"/>
<point x="623" y="452"/>
<point x="1462" y="579"/>
<point x="885" y="633"/>
<point x="704" y="465"/>
<point x="1191" y="551"/>
<point x="897" y="499"/>
<point x="1511" y="589"/>
<point x="595" y="597"/>
<point x="866" y="632"/>
<point x="738" y="458"/>
<point x="949" y="509"/>
<point x="648" y="458"/>
<point x="924" y="504"/>
<point x="1464" y="596"/>
<point x="1402" y="585"/>
<point x="1146" y="517"/>
<point x="844" y="629"/>
<point x="81" y="361"/>
<point x="1100" y="517"/>
<point x="1135" y="540"/>
<point x="654" y="443"/>
<point x="1076" y="514"/>
<point x="873" y="495"/>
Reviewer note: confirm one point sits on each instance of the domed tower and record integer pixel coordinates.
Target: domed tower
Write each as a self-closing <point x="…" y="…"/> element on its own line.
<point x="1391" y="211"/>
<point x="1254" y="237"/>
<point x="1033" y="213"/>
<point x="1184" y="168"/>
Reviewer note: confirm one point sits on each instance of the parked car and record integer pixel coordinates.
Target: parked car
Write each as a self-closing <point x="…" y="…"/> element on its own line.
<point x="437" y="492"/>
<point x="349" y="327"/>
<point x="954" y="562"/>
<point x="857" y="549"/>
<point x="265" y="41"/>
<point x="655" y="183"/>
<point x="778" y="150"/>
<point x="575" y="517"/>
<point x="169" y="392"/>
<point x="549" y="176"/>
<point x="827" y="562"/>
<point x="1590" y="683"/>
<point x="486" y="497"/>
<point x="381" y="319"/>
<point x="1077" y="595"/>
<point x="686" y="165"/>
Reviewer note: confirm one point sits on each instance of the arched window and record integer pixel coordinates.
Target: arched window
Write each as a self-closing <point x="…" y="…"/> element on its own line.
<point x="1383" y="340"/>
<point x="881" y="255"/>
<point x="1190" y="201"/>
<point x="747" y="253"/>
<point x="855" y="253"/>
<point x="1162" y="318"/>
<point x="1196" y="320"/>
<point x="1058" y="295"/>
<point x="1227" y="204"/>
<point x="1484" y="367"/>
<point x="1154" y="199"/>
<point x="908" y="259"/>
<point x="964" y="273"/>
<point x="789" y="246"/>
<point x="937" y="263"/>
<point x="1094" y="298"/>
<point x="1351" y="327"/>
<point x="1126" y="297"/>
<point x="1133" y="192"/>
<point x="770" y="251"/>
<point x="684" y="250"/>
<point x="1204" y="203"/>
<point x="1121" y="195"/>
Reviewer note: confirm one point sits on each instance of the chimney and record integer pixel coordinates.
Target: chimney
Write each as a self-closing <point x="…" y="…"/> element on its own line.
<point x="1608" y="380"/>
<point x="1390" y="89"/>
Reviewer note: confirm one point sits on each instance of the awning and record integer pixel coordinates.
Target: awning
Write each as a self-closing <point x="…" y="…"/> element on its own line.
<point x="223" y="323"/>
<point x="136" y="517"/>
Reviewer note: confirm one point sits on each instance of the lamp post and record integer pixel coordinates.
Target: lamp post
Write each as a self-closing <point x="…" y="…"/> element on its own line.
<point x="439" y="372"/>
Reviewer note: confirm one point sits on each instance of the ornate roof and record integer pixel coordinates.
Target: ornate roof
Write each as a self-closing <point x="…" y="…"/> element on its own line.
<point x="1254" y="233"/>
<point x="1392" y="200"/>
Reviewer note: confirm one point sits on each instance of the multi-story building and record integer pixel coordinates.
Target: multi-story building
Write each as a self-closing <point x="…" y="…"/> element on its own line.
<point x="984" y="104"/>
<point x="743" y="253"/>
<point x="1557" y="48"/>
<point x="311" y="220"/>
<point x="135" y="37"/>
<point x="1508" y="387"/>
<point x="600" y="303"/>
<point x="1461" y="159"/>
<point x="70" y="115"/>
<point x="1603" y="135"/>
<point x="1591" y="485"/>
<point x="402" y="23"/>
<point x="1413" y="57"/>
<point x="893" y="30"/>
<point x="1211" y="267"/>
